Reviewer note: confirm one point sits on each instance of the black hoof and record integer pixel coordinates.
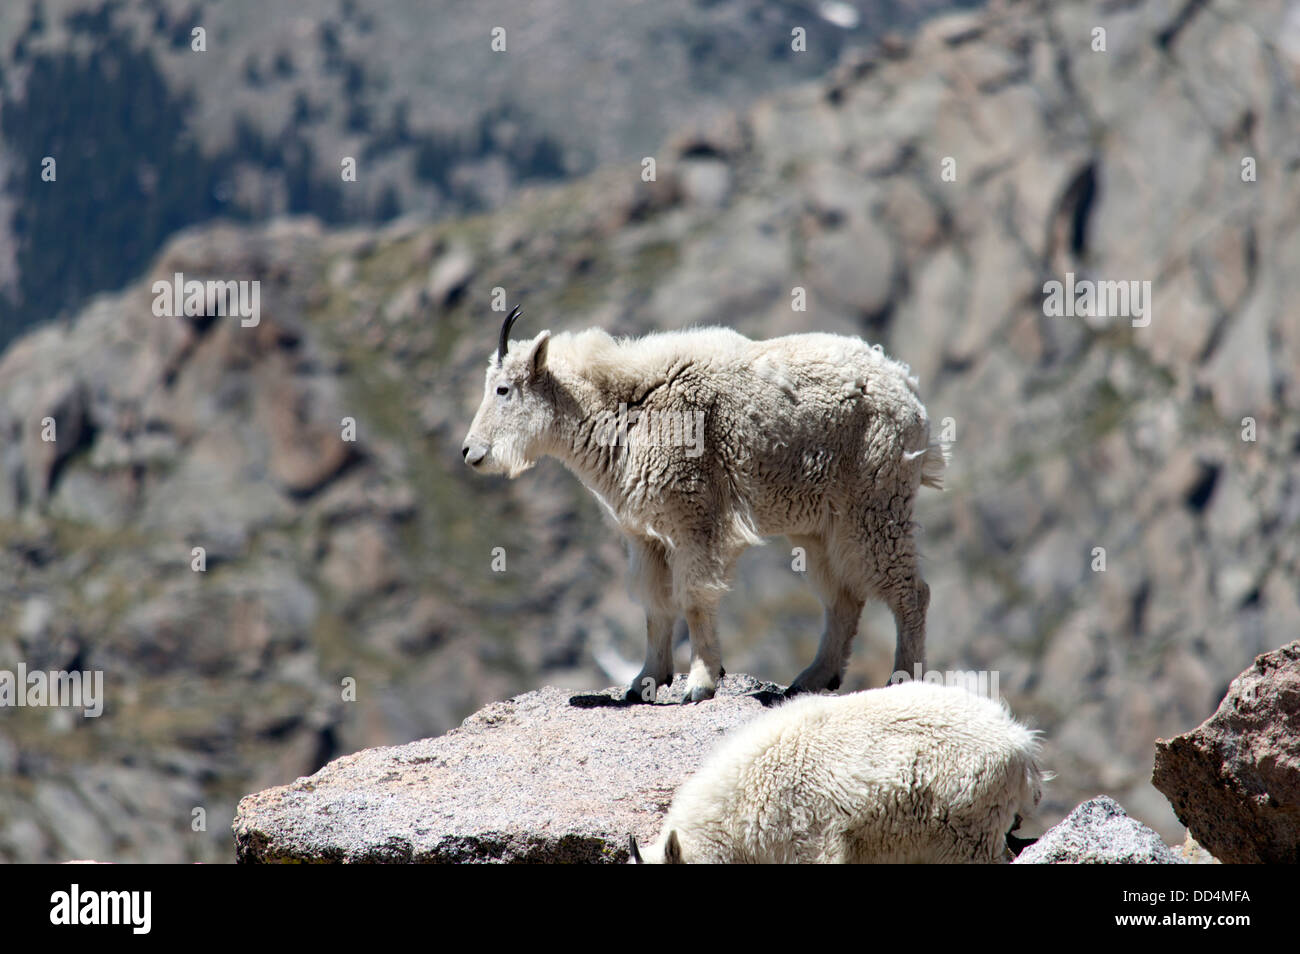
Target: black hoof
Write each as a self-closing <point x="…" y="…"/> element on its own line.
<point x="697" y="695"/>
<point x="641" y="691"/>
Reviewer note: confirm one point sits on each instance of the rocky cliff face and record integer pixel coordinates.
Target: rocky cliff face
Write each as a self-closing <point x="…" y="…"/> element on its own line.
<point x="1114" y="541"/>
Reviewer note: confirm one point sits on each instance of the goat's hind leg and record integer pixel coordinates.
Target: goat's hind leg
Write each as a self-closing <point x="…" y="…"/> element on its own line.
<point x="909" y="600"/>
<point x="892" y="573"/>
<point x="843" y="610"/>
<point x="827" y="668"/>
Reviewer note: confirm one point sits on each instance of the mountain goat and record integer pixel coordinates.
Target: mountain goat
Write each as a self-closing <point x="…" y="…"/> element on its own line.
<point x="699" y="443"/>
<point x="913" y="773"/>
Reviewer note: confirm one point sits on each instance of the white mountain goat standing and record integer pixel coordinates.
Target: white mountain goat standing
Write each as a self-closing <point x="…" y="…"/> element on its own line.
<point x="914" y="773"/>
<point x="700" y="443"/>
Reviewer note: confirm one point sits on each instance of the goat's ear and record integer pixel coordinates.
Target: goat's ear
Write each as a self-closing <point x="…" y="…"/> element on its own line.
<point x="673" y="850"/>
<point x="537" y="353"/>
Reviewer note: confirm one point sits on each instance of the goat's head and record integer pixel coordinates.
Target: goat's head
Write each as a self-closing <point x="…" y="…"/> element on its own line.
<point x="669" y="854"/>
<point x="517" y="410"/>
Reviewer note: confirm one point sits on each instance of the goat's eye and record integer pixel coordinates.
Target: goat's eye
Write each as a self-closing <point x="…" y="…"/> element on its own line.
<point x="503" y="389"/>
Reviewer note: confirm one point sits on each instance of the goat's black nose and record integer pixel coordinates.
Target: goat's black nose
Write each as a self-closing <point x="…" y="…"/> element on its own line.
<point x="464" y="451"/>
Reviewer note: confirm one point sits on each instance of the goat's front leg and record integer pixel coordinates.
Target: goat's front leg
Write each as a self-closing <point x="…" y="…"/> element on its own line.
<point x="706" y="657"/>
<point x="658" y="668"/>
<point x="652" y="583"/>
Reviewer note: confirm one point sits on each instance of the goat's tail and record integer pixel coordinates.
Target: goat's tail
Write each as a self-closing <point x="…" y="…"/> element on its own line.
<point x="934" y="462"/>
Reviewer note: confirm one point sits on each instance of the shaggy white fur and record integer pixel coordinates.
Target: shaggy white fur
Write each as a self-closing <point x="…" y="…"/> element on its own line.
<point x="913" y="773"/>
<point x="815" y="436"/>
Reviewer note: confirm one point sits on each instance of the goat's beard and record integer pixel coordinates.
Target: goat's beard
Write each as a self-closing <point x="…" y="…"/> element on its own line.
<point x="510" y="459"/>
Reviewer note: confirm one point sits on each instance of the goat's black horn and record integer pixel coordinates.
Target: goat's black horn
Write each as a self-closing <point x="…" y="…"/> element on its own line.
<point x="505" y="334"/>
<point x="633" y="850"/>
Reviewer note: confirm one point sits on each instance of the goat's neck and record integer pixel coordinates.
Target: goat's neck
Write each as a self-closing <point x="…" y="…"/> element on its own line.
<point x="581" y="436"/>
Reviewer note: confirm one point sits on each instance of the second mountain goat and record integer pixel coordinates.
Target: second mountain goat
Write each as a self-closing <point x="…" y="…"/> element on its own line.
<point x="911" y="774"/>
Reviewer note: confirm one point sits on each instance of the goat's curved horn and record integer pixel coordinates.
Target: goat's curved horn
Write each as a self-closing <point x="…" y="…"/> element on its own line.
<point x="505" y="334"/>
<point x="633" y="850"/>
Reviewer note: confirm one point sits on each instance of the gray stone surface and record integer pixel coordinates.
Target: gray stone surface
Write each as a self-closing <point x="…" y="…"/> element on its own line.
<point x="551" y="776"/>
<point x="1099" y="832"/>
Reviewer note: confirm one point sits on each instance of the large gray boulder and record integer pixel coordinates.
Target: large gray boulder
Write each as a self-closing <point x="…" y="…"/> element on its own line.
<point x="550" y="776"/>
<point x="1235" y="780"/>
<point x="1099" y="832"/>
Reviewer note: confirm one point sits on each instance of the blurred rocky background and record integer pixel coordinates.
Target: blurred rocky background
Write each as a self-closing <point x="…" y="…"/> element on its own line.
<point x="372" y="560"/>
<point x="152" y="135"/>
